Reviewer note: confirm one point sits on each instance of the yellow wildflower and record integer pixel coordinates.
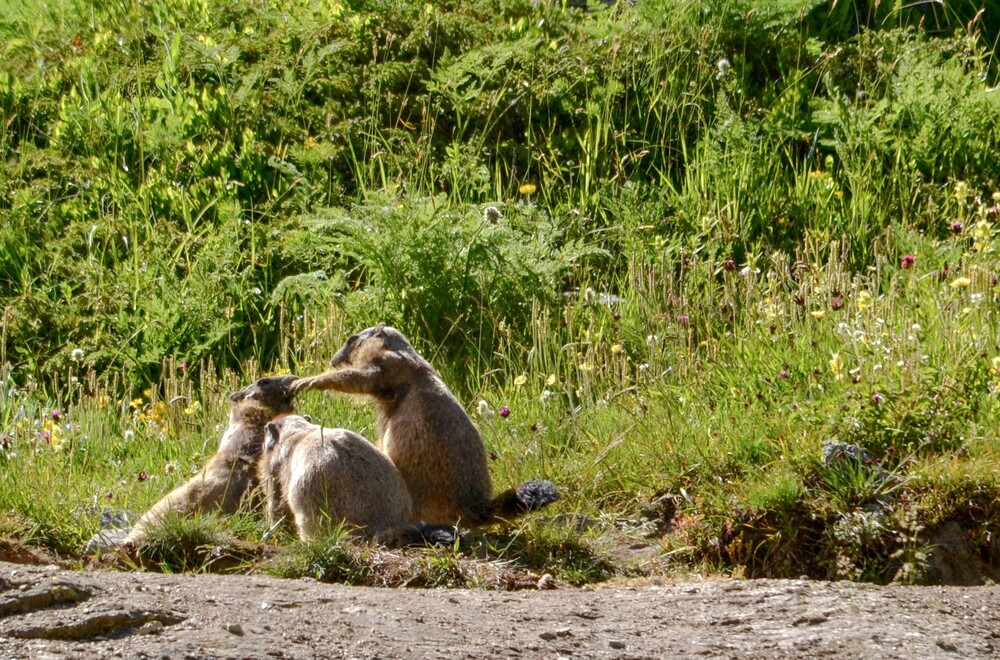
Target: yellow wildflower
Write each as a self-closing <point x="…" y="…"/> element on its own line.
<point x="520" y="380"/>
<point x="617" y="349"/>
<point x="193" y="408"/>
<point x="864" y="300"/>
<point x="818" y="313"/>
<point x="995" y="366"/>
<point x="962" y="191"/>
<point x="135" y="403"/>
<point x="54" y="434"/>
<point x="982" y="229"/>
<point x="527" y="189"/>
<point x="552" y="380"/>
<point x="960" y="283"/>
<point x="836" y="364"/>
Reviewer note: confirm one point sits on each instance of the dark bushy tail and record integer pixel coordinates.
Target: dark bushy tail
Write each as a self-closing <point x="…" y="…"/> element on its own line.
<point x="529" y="496"/>
<point x="422" y="534"/>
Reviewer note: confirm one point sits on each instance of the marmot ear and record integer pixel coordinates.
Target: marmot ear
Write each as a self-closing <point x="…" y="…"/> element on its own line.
<point x="378" y="329"/>
<point x="270" y="436"/>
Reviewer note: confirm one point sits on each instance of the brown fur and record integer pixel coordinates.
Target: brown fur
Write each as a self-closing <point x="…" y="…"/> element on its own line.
<point x="423" y="429"/>
<point x="321" y="477"/>
<point x="231" y="472"/>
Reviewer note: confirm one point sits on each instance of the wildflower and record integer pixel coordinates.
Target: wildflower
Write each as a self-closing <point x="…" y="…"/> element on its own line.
<point x="962" y="191"/>
<point x="193" y="408"/>
<point x="683" y="319"/>
<point x="76" y="355"/>
<point x="492" y="214"/>
<point x="551" y="380"/>
<point x="729" y="264"/>
<point x="960" y="283"/>
<point x="817" y="313"/>
<point x="783" y="373"/>
<point x="877" y="398"/>
<point x="129" y="434"/>
<point x="56" y="414"/>
<point x="483" y="408"/>
<point x="836" y="364"/>
<point x="907" y="261"/>
<point x="837" y="303"/>
<point x="52" y="433"/>
<point x="722" y="66"/>
<point x="527" y="189"/>
<point x="995" y="365"/>
<point x="545" y="396"/>
<point x="520" y="380"/>
<point x="504" y="412"/>
<point x="135" y="403"/>
<point x="957" y="227"/>
<point x="142" y="476"/>
<point x="182" y="367"/>
<point x="617" y="349"/>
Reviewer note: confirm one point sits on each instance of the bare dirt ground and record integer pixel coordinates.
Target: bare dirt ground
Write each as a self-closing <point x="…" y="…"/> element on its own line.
<point x="48" y="612"/>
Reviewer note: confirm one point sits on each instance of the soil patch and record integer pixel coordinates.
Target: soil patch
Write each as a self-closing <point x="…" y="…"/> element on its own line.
<point x="47" y="611"/>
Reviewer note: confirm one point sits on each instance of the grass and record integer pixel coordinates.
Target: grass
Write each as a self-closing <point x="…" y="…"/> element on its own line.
<point x="683" y="244"/>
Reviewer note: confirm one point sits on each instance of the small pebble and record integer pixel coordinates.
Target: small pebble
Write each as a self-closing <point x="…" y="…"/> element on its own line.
<point x="151" y="628"/>
<point x="616" y="644"/>
<point x="234" y="628"/>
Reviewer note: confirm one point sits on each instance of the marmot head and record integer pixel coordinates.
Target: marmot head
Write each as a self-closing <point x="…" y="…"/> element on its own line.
<point x="284" y="426"/>
<point x="371" y="344"/>
<point x="270" y="392"/>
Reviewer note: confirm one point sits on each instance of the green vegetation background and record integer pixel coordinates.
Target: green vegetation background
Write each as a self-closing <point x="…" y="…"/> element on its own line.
<point x="683" y="242"/>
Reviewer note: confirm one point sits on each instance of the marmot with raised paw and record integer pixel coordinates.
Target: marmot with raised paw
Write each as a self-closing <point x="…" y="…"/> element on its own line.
<point x="425" y="431"/>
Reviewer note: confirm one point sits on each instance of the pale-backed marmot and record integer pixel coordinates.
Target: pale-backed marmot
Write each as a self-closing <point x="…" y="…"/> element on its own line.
<point x="425" y="431"/>
<point x="321" y="477"/>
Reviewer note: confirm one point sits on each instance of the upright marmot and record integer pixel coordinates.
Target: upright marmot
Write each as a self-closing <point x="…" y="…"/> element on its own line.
<point x="425" y="431"/>
<point x="322" y="477"/>
<point x="232" y="471"/>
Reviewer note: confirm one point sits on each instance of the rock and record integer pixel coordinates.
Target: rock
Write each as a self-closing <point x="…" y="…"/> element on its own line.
<point x="151" y="628"/>
<point x="235" y="629"/>
<point x="835" y="452"/>
<point x="616" y="644"/>
<point x="115" y="526"/>
<point x="546" y="582"/>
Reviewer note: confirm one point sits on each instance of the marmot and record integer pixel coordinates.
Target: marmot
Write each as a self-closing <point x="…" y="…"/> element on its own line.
<point x="232" y="471"/>
<point x="425" y="431"/>
<point x="321" y="477"/>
